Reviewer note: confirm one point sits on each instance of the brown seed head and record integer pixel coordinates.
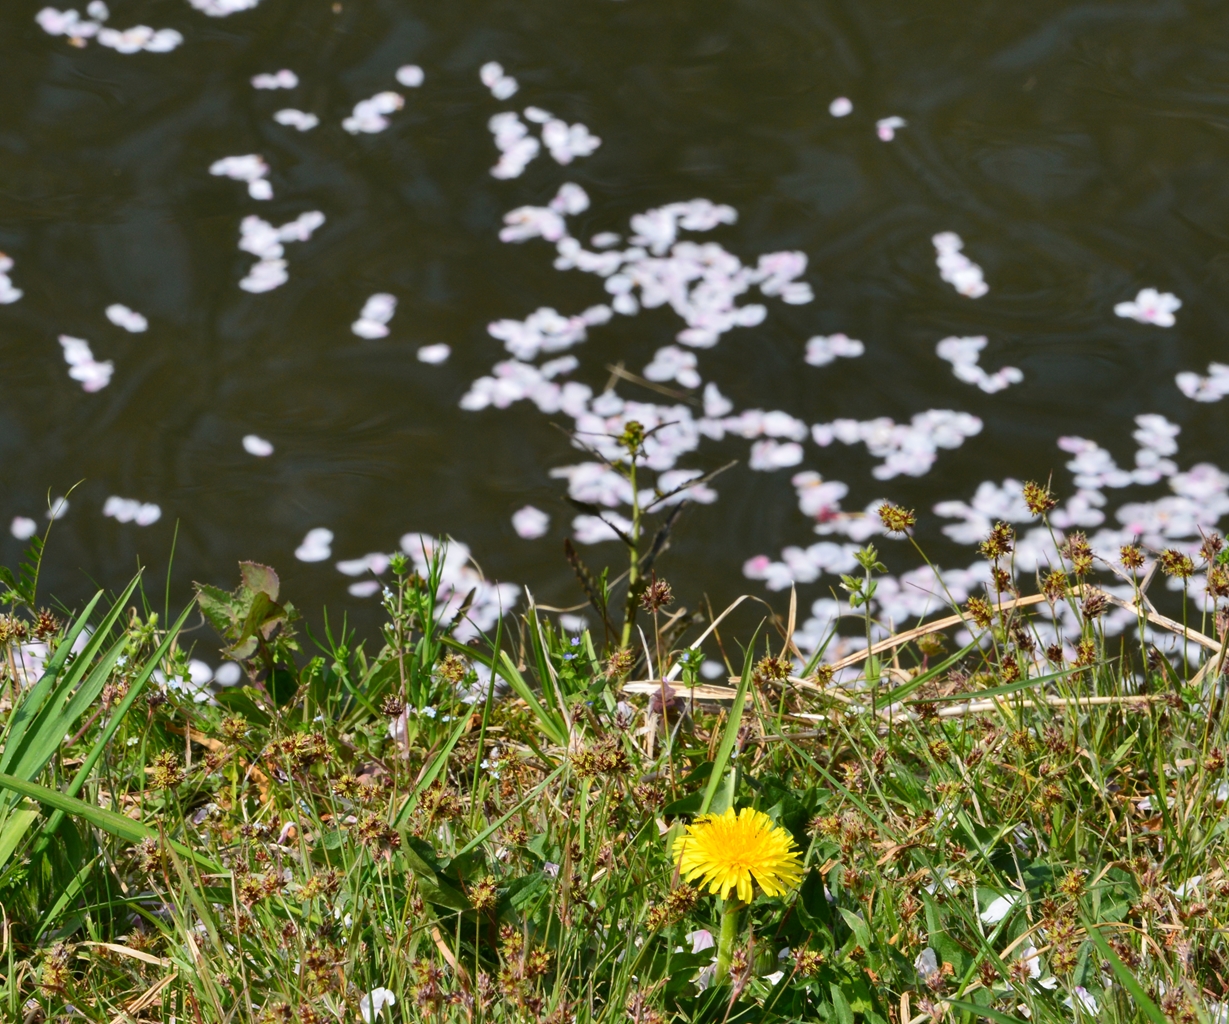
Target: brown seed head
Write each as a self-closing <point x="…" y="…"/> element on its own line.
<point x="167" y="772"/>
<point x="980" y="612"/>
<point x="1131" y="556"/>
<point x="656" y="595"/>
<point x="999" y="543"/>
<point x="1094" y="605"/>
<point x="1175" y="563"/>
<point x="1038" y="499"/>
<point x="896" y="519"/>
<point x="1054" y="585"/>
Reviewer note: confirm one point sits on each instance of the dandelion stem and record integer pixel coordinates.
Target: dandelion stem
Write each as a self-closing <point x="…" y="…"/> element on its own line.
<point x="731" y="911"/>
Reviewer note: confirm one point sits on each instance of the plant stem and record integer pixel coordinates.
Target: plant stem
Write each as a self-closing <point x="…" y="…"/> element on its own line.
<point x="633" y="570"/>
<point x="731" y="911"/>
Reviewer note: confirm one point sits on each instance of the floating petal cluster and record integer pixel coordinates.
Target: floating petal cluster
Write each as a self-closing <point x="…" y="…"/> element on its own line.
<point x="129" y="319"/>
<point x="371" y="115"/>
<point x="373" y="320"/>
<point x="823" y="350"/>
<point x="263" y="240"/>
<point x="79" y="30"/>
<point x="964" y="353"/>
<point x="8" y="292"/>
<point x="1211" y="388"/>
<point x="1151" y="307"/>
<point x="956" y="268"/>
<point x="222" y="8"/>
<point x="83" y="367"/>
<point x="887" y="127"/>
<point x="129" y="510"/>
<point x="732" y="852"/>
<point x="298" y="119"/>
<point x="502" y="86"/>
<point x="316" y="546"/>
<point x="530" y="522"/>
<point x="284" y="79"/>
<point x="250" y="168"/>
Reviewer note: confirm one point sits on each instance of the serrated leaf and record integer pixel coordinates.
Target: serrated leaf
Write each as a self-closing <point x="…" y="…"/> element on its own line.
<point x="260" y="578"/>
<point x="219" y="607"/>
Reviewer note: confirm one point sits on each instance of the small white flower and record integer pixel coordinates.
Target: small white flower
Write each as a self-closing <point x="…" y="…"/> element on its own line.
<point x="373" y="1003"/>
<point x="1151" y="307"/>
<point x="842" y="106"/>
<point x="999" y="909"/>
<point x="1085" y="999"/>
<point x="926" y="964"/>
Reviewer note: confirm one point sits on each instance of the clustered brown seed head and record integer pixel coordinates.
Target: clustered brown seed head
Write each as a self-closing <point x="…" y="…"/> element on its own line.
<point x="604" y="758"/>
<point x="167" y="771"/>
<point x="620" y="663"/>
<point x="1054" y="585"/>
<point x="1086" y="652"/>
<point x="896" y="519"/>
<point x="1094" y="605"/>
<point x="1131" y="556"/>
<point x="12" y="630"/>
<point x="771" y="668"/>
<point x="453" y="669"/>
<point x="393" y="705"/>
<point x="46" y="625"/>
<point x="1009" y="668"/>
<point x="999" y="543"/>
<point x="1038" y="498"/>
<point x="1077" y="551"/>
<point x="656" y="595"/>
<point x="1177" y="564"/>
<point x="373" y="831"/>
<point x="301" y="750"/>
<point x="640" y="1012"/>
<point x="55" y="976"/>
<point x="484" y="894"/>
<point x="980" y="612"/>
<point x="148" y="854"/>
<point x="677" y="905"/>
<point x="807" y="962"/>
<point x="1211" y="546"/>
<point x="1218" y="581"/>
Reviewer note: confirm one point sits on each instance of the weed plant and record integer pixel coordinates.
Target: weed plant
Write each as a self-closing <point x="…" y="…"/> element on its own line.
<point x="430" y="830"/>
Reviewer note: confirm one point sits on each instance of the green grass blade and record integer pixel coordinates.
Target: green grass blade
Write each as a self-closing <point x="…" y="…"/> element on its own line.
<point x="1128" y="980"/>
<point x="731" y="730"/>
<point x="984" y="1011"/>
<point x="998" y="691"/>
<point x="116" y="824"/>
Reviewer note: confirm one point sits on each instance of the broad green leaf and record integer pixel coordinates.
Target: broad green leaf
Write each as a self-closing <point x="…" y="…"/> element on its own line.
<point x="260" y="578"/>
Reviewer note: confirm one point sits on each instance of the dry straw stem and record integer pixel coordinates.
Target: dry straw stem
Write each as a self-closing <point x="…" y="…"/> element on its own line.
<point x="722" y="693"/>
<point x="142" y="1002"/>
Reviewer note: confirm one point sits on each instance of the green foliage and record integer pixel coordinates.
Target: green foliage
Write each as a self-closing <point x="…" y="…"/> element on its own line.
<point x="975" y="844"/>
<point x="257" y="630"/>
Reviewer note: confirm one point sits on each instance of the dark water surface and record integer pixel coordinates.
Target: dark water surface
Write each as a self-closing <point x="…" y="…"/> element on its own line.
<point x="1079" y="149"/>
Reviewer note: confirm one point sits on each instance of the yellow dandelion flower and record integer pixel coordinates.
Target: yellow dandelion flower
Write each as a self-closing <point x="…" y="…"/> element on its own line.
<point x="726" y="851"/>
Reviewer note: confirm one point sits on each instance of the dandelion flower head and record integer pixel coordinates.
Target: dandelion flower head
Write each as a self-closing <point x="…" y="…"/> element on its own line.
<point x="726" y="851"/>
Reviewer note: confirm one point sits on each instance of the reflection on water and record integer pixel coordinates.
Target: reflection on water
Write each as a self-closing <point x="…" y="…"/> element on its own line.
<point x="288" y="280"/>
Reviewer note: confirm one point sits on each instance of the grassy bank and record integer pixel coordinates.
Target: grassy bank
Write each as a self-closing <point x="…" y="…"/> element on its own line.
<point x="990" y="831"/>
